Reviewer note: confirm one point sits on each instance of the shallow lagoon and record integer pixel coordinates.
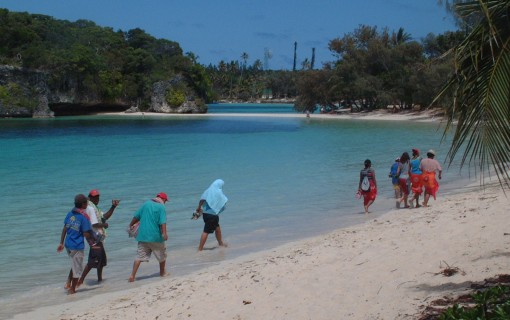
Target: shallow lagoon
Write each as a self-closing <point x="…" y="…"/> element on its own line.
<point x="286" y="178"/>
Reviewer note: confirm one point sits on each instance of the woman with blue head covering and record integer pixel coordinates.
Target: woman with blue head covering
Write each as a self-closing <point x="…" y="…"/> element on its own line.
<point x="211" y="204"/>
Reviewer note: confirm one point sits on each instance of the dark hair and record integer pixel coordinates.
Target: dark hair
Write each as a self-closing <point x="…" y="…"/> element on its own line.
<point x="368" y="163"/>
<point x="79" y="200"/>
<point x="404" y="157"/>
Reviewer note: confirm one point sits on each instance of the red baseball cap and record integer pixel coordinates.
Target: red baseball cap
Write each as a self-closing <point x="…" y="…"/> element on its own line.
<point x="93" y="193"/>
<point x="162" y="195"/>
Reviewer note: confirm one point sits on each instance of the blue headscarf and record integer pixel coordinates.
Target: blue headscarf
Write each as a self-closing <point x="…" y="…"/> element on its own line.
<point x="214" y="196"/>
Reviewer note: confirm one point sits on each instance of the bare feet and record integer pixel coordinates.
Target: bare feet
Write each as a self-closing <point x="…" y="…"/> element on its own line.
<point x="131" y="279"/>
<point x="67" y="286"/>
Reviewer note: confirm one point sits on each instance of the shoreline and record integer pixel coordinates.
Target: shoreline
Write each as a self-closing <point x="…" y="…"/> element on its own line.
<point x="422" y="116"/>
<point x="386" y="268"/>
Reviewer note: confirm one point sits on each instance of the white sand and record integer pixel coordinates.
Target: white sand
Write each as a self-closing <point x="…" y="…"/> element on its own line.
<point x="426" y="116"/>
<point x="388" y="268"/>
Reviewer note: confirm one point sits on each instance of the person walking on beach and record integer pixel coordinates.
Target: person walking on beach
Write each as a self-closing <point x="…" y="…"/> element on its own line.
<point x="429" y="166"/>
<point x="416" y="178"/>
<point x="367" y="185"/>
<point x="97" y="254"/>
<point x="211" y="204"/>
<point x="403" y="177"/>
<point x="152" y="233"/>
<point x="76" y="228"/>
<point x="394" y="180"/>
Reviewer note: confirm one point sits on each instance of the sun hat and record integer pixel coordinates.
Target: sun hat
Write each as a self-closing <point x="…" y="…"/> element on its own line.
<point x="432" y="152"/>
<point x="397" y="159"/>
<point x="162" y="195"/>
<point x="93" y="193"/>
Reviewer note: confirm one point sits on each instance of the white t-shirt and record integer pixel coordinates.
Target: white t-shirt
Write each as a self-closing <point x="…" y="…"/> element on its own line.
<point x="93" y="213"/>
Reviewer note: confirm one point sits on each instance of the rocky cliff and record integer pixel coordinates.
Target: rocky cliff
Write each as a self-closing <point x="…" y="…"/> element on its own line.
<point x="25" y="93"/>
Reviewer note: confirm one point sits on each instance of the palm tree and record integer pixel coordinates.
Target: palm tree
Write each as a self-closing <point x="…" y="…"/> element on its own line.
<point x="481" y="89"/>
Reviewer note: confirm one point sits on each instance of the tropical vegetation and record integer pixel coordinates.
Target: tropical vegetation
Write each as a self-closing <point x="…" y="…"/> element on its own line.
<point x="481" y="87"/>
<point x="98" y="63"/>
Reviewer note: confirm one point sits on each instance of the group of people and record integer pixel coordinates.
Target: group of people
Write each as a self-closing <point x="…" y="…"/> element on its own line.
<point x="411" y="176"/>
<point x="86" y="222"/>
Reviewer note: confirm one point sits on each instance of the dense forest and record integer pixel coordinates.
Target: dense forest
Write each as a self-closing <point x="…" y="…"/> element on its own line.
<point x="373" y="68"/>
<point x="100" y="63"/>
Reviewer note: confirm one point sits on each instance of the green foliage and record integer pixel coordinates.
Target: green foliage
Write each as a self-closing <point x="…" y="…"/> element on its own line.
<point x="491" y="304"/>
<point x="12" y="95"/>
<point x="480" y="114"/>
<point x="94" y="61"/>
<point x="175" y="97"/>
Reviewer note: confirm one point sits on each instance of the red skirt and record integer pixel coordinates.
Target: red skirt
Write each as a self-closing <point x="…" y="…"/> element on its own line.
<point x="404" y="186"/>
<point x="369" y="195"/>
<point x="430" y="183"/>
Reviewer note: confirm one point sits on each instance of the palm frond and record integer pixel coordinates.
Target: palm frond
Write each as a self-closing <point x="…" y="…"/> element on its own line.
<point x="481" y="85"/>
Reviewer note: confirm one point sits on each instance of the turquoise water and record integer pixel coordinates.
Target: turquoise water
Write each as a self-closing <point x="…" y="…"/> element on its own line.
<point x="286" y="179"/>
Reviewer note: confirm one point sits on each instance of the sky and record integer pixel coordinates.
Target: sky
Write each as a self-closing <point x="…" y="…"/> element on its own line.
<point x="216" y="30"/>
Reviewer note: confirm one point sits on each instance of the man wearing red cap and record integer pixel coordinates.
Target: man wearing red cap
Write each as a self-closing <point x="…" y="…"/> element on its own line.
<point x="97" y="254"/>
<point x="152" y="233"/>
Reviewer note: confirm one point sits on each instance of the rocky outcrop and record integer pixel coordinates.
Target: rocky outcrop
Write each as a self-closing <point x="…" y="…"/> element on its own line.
<point x="23" y="93"/>
<point x="159" y="102"/>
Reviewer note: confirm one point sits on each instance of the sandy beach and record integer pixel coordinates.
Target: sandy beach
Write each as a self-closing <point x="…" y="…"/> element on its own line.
<point x="429" y="115"/>
<point x="388" y="268"/>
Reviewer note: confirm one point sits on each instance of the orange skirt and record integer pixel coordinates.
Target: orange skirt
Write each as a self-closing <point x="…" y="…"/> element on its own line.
<point x="416" y="183"/>
<point x="430" y="183"/>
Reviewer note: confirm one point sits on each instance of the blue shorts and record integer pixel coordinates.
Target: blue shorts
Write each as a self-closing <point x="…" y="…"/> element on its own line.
<point x="212" y="221"/>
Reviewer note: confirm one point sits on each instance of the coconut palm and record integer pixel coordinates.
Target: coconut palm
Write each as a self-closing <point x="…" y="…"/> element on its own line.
<point x="481" y="89"/>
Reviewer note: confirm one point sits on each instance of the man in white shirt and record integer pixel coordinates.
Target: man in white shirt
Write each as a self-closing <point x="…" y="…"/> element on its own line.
<point x="97" y="254"/>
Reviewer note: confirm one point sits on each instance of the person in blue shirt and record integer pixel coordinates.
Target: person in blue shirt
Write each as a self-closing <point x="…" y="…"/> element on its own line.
<point x="211" y="204"/>
<point x="416" y="178"/>
<point x="394" y="180"/>
<point x="76" y="228"/>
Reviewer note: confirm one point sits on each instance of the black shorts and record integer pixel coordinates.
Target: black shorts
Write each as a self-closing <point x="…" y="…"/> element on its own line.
<point x="97" y="256"/>
<point x="212" y="221"/>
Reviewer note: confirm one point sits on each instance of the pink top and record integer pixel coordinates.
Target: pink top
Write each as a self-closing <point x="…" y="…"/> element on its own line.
<point x="430" y="165"/>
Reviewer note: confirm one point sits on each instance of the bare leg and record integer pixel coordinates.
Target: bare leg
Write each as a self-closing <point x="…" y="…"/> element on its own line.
<point x="404" y="200"/>
<point x="426" y="200"/>
<point x="368" y="205"/>
<point x="397" y="197"/>
<point x="417" y="197"/>
<point x="203" y="239"/>
<point x="136" y="265"/>
<point x="99" y="273"/>
<point x="217" y="233"/>
<point x="83" y="275"/>
<point x="162" y="266"/>
<point x="67" y="286"/>
<point x="72" y="290"/>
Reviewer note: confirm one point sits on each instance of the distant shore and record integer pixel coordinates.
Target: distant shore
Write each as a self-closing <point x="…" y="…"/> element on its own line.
<point x="423" y="116"/>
